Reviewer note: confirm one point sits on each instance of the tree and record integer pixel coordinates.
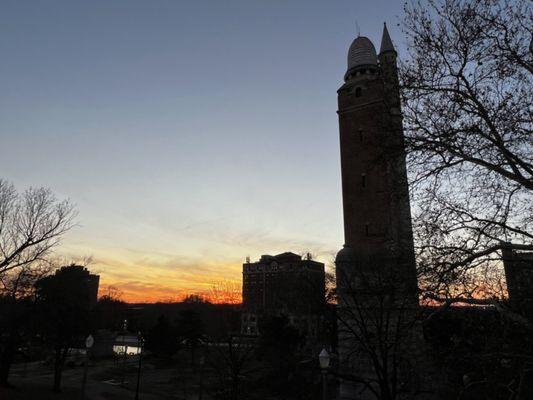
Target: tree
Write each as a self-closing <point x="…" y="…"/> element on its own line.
<point x="110" y="310"/>
<point x="194" y="299"/>
<point x="379" y="328"/>
<point x="330" y="281"/>
<point x="16" y="310"/>
<point x="162" y="340"/>
<point x="277" y="348"/>
<point x="467" y="95"/>
<point x="32" y="224"/>
<point x="232" y="360"/>
<point x="466" y="91"/>
<point x="484" y="354"/>
<point x="226" y="292"/>
<point x="190" y="329"/>
<point x="64" y="303"/>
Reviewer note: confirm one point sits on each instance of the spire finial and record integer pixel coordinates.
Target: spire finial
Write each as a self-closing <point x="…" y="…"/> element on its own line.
<point x="358" y="29"/>
<point x="386" y="42"/>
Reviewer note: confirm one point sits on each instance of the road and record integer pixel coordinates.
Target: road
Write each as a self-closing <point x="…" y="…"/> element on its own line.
<point x="33" y="381"/>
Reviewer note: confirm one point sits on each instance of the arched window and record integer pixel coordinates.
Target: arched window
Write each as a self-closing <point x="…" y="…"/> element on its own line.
<point x="363" y="180"/>
<point x="358" y="92"/>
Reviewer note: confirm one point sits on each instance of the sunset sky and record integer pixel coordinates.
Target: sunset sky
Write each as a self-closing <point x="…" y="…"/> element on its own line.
<point x="189" y="134"/>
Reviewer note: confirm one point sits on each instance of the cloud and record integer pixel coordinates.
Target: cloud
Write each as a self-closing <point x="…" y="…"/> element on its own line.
<point x="155" y="273"/>
<point x="157" y="278"/>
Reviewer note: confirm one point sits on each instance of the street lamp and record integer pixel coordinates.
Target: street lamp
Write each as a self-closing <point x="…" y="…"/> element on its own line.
<point x="140" y="344"/>
<point x="125" y="348"/>
<point x="89" y="342"/>
<point x="324" y="359"/>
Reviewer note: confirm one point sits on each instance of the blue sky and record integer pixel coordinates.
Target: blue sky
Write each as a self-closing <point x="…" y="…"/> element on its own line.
<point x="190" y="134"/>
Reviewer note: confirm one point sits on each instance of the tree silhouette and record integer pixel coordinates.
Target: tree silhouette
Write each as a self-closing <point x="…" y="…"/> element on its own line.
<point x="226" y="292"/>
<point x="190" y="330"/>
<point x="379" y="329"/>
<point x="110" y="311"/>
<point x="467" y="98"/>
<point x="466" y="89"/>
<point x="64" y="304"/>
<point x="31" y="226"/>
<point x="232" y="361"/>
<point x="277" y="348"/>
<point x="162" y="340"/>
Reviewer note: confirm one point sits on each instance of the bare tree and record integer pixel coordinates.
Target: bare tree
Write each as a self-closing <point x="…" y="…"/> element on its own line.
<point x="225" y="292"/>
<point x="232" y="360"/>
<point x="467" y="95"/>
<point x="31" y="225"/>
<point x="378" y="326"/>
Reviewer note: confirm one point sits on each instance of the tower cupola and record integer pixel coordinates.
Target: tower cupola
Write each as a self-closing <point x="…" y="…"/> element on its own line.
<point x="361" y="55"/>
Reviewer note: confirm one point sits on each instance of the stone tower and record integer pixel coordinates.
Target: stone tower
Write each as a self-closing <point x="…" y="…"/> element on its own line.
<point x="376" y="273"/>
<point x="377" y="216"/>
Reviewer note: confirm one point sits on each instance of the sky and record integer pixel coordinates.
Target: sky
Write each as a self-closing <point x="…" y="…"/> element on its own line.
<point x="189" y="134"/>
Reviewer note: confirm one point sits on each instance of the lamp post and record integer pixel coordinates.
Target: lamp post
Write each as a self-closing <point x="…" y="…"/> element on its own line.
<point x="125" y="348"/>
<point x="324" y="358"/>
<point x="201" y="362"/>
<point x="89" y="342"/>
<point x="140" y="342"/>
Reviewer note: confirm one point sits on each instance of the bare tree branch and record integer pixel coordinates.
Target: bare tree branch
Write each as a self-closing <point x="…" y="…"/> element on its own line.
<point x="467" y="96"/>
<point x="32" y="224"/>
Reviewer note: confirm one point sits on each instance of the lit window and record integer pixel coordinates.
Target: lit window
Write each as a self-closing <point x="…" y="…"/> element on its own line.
<point x="358" y="92"/>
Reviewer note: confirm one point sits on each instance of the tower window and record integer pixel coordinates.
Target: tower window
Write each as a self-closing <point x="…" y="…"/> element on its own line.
<point x="358" y="92"/>
<point x="361" y="135"/>
<point x="363" y="180"/>
<point x="367" y="230"/>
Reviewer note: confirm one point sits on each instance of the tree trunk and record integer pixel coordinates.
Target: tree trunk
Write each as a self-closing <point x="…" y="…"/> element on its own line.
<point x="7" y="356"/>
<point x="235" y="387"/>
<point x="58" y="368"/>
<point x="5" y="364"/>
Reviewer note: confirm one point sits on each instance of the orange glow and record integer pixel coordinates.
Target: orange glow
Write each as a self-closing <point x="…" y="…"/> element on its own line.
<point x="153" y="295"/>
<point x="132" y="296"/>
<point x="167" y="266"/>
<point x="154" y="278"/>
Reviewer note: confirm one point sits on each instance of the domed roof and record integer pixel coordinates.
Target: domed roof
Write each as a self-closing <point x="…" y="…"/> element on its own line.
<point x="346" y="255"/>
<point x="362" y="52"/>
